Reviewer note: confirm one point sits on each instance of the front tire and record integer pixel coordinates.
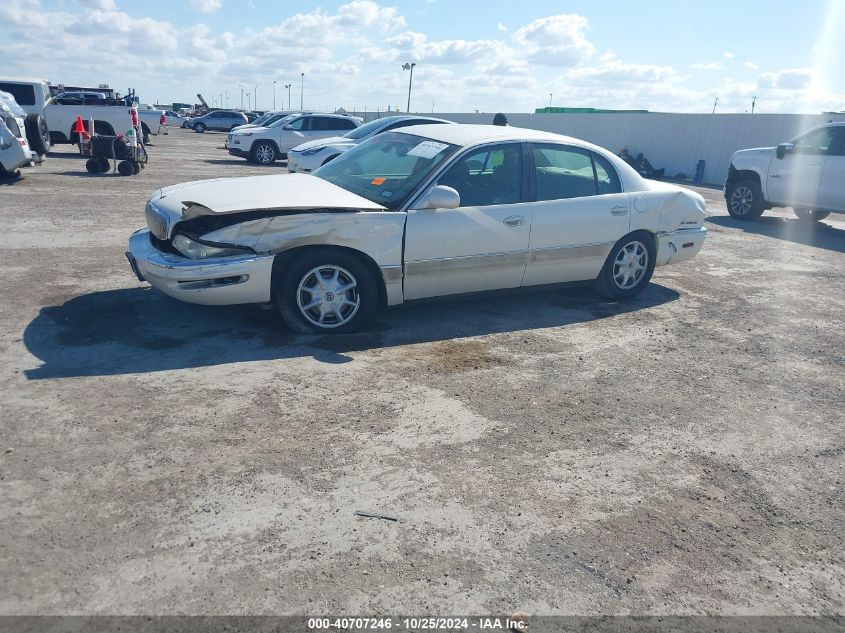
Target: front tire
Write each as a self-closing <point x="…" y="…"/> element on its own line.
<point x="199" y="127"/>
<point x="326" y="291"/>
<point x="809" y="215"/>
<point x="263" y="153"/>
<point x="628" y="268"/>
<point x="745" y="200"/>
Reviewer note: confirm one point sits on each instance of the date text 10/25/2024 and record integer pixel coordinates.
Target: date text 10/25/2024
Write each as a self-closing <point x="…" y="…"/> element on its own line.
<point x="515" y="623"/>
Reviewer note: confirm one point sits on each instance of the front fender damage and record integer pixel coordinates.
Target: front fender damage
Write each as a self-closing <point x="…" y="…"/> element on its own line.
<point x="377" y="234"/>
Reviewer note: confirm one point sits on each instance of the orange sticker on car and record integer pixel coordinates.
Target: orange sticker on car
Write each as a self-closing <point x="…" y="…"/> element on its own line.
<point x="377" y="181"/>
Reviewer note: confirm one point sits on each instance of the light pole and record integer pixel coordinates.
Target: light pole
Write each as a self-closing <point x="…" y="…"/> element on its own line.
<point x="248" y="102"/>
<point x="227" y="99"/>
<point x="255" y="98"/>
<point x="753" y="103"/>
<point x="241" y="86"/>
<point x="274" y="94"/>
<point x="714" y="105"/>
<point x="289" y="105"/>
<point x="550" y="101"/>
<point x="301" y="89"/>
<point x="409" y="66"/>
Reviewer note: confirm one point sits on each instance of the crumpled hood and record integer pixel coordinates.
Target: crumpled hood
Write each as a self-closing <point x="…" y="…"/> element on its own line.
<point x="323" y="142"/>
<point x="253" y="193"/>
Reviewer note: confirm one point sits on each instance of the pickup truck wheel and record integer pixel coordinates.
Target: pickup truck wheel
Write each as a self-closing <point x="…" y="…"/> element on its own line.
<point x="199" y="127"/>
<point x="263" y="153"/>
<point x="628" y="267"/>
<point x="326" y="291"/>
<point x="37" y="133"/>
<point x="809" y="215"/>
<point x="745" y="200"/>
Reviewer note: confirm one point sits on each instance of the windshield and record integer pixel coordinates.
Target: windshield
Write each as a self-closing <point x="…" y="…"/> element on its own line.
<point x="364" y="130"/>
<point x="387" y="168"/>
<point x="282" y="121"/>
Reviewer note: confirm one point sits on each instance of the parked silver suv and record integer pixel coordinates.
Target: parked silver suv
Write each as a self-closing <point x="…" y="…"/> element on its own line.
<point x="221" y="120"/>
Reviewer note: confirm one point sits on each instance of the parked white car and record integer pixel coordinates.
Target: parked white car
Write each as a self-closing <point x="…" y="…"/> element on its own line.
<point x="807" y="174"/>
<point x="309" y="156"/>
<point x="268" y="118"/>
<point x="15" y="151"/>
<point x="264" y="145"/>
<point x="432" y="211"/>
<point x="173" y="119"/>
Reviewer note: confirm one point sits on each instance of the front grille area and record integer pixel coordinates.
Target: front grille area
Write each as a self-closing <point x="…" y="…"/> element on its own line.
<point x="156" y="221"/>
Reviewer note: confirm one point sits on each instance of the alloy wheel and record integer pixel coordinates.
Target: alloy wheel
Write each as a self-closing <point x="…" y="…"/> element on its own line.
<point x="327" y="296"/>
<point x="264" y="154"/>
<point x="630" y="265"/>
<point x="742" y="200"/>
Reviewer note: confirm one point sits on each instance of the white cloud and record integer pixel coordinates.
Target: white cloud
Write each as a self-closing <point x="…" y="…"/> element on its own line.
<point x="104" y="5"/>
<point x="501" y="27"/>
<point x="709" y="66"/>
<point x="619" y="72"/>
<point x="207" y="6"/>
<point x="557" y="40"/>
<point x="728" y="55"/>
<point x="751" y="65"/>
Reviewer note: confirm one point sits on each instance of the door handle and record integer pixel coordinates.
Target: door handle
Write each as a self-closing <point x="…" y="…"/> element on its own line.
<point x="619" y="210"/>
<point x="776" y="176"/>
<point x="514" y="220"/>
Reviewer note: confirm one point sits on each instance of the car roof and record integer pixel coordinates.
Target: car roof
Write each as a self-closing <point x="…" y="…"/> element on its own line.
<point x="466" y="134"/>
<point x="409" y="117"/>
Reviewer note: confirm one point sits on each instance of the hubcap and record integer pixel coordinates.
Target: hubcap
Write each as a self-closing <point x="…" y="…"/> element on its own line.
<point x="630" y="265"/>
<point x="742" y="199"/>
<point x="328" y="296"/>
<point x="264" y="153"/>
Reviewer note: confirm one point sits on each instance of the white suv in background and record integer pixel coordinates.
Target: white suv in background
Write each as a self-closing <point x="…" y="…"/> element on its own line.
<point x="309" y="156"/>
<point x="264" y="145"/>
<point x="807" y="174"/>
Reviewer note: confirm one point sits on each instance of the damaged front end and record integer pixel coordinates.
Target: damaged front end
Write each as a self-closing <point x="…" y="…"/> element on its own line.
<point x="202" y="228"/>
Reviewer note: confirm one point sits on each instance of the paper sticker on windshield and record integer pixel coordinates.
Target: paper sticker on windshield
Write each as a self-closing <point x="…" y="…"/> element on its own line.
<point x="428" y="149"/>
<point x="377" y="181"/>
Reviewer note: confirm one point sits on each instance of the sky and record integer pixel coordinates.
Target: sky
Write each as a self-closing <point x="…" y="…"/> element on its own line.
<point x="470" y="55"/>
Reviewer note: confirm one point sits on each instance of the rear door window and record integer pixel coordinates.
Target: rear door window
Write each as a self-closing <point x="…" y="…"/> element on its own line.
<point x="23" y="94"/>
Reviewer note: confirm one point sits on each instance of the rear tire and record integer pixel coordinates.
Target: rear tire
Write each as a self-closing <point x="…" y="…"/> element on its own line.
<point x="628" y="268"/>
<point x="37" y="133"/>
<point x="326" y="291"/>
<point x="745" y="200"/>
<point x="809" y="215"/>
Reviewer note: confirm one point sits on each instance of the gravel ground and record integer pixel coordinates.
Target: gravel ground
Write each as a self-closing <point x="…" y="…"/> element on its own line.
<point x="550" y="452"/>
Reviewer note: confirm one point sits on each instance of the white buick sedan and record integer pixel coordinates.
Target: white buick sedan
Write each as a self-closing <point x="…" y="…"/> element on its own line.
<point x="431" y="211"/>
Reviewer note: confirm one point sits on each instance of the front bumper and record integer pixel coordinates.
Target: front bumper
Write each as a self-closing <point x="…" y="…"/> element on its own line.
<point x="234" y="151"/>
<point x="297" y="163"/>
<point x="679" y="246"/>
<point x="218" y="281"/>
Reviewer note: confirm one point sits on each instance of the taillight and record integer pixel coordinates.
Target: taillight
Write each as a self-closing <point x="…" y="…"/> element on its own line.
<point x="22" y="141"/>
<point x="162" y="120"/>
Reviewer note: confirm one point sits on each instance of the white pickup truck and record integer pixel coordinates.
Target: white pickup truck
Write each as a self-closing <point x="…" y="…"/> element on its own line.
<point x="807" y="174"/>
<point x="60" y="116"/>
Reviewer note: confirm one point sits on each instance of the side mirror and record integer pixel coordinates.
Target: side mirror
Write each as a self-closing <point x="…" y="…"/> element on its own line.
<point x="442" y="197"/>
<point x="784" y="149"/>
<point x="288" y="127"/>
